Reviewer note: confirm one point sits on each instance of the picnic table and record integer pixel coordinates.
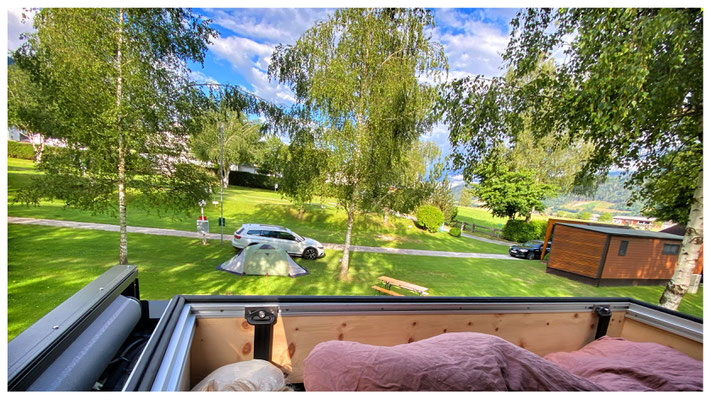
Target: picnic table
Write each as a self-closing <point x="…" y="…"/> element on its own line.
<point x="390" y="282"/>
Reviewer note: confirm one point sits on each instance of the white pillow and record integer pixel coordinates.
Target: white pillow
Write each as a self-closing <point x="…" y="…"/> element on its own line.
<point x="244" y="376"/>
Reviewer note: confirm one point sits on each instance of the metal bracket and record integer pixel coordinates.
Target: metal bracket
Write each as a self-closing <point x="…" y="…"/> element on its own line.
<point x="263" y="319"/>
<point x="603" y="313"/>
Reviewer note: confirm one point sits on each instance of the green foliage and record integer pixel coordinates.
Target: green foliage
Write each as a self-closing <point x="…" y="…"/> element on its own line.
<point x="615" y="189"/>
<point x="408" y="186"/>
<point x="303" y="167"/>
<point x="20" y="150"/>
<point x="508" y="194"/>
<point x="456" y="232"/>
<point x="631" y="84"/>
<point x="240" y="140"/>
<point x="482" y="133"/>
<point x="361" y="73"/>
<point x="605" y="217"/>
<point x="122" y="100"/>
<point x="430" y="217"/>
<point x="246" y="179"/>
<point x="584" y="215"/>
<point x="520" y="231"/>
<point x="440" y="193"/>
<point x="465" y="198"/>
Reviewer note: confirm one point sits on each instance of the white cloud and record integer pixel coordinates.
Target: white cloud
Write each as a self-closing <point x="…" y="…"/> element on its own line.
<point x="251" y="60"/>
<point x="472" y="45"/>
<point x="456" y="180"/>
<point x="200" y="77"/>
<point x="273" y="25"/>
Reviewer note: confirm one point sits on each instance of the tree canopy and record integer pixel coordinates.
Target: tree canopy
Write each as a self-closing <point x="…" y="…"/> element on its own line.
<point x="240" y="140"/>
<point x="629" y="81"/>
<point x="510" y="193"/>
<point x="360" y="75"/>
<point x="124" y="104"/>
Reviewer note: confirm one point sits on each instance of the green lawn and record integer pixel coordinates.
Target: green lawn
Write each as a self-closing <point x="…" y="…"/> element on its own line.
<point x="47" y="265"/>
<point x="248" y="205"/>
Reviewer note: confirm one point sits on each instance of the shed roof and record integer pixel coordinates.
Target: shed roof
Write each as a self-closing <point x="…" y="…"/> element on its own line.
<point x="626" y="232"/>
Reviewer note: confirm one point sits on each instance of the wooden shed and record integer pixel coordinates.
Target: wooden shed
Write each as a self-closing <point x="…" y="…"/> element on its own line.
<point x="608" y="256"/>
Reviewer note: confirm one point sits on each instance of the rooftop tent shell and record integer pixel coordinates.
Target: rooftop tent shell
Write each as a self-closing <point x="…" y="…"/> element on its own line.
<point x="263" y="259"/>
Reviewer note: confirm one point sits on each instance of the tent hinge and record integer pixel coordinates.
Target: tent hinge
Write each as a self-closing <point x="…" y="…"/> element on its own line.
<point x="603" y="320"/>
<point x="263" y="319"/>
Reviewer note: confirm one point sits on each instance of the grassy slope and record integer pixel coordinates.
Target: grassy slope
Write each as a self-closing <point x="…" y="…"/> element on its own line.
<point x="482" y="217"/>
<point x="47" y="265"/>
<point x="248" y="205"/>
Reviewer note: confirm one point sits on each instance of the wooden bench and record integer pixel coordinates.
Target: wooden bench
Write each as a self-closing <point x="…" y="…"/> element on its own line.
<point x="386" y="291"/>
<point x="389" y="282"/>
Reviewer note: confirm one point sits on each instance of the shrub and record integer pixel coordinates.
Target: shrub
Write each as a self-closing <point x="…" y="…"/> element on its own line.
<point x="241" y="178"/>
<point x="20" y="150"/>
<point x="520" y="231"/>
<point x="541" y="227"/>
<point x="456" y="232"/>
<point x="429" y="217"/>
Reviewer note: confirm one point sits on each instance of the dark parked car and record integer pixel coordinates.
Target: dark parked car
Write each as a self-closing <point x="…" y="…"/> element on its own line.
<point x="530" y="250"/>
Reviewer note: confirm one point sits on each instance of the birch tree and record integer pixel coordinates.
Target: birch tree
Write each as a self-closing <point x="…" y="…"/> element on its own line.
<point x="120" y="86"/>
<point x="361" y="73"/>
<point x="240" y="141"/>
<point x="629" y="81"/>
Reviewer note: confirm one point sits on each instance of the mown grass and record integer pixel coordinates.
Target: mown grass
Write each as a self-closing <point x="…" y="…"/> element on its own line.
<point x="47" y="265"/>
<point x="322" y="221"/>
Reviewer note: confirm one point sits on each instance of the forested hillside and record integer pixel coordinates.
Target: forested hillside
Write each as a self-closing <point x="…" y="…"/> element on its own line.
<point x="613" y="191"/>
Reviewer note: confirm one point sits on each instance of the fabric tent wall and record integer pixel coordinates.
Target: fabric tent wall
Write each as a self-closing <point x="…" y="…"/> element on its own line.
<point x="263" y="260"/>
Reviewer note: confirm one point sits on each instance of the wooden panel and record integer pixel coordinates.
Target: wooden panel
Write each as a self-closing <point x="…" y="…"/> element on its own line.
<point x="639" y="332"/>
<point x="221" y="341"/>
<point x="218" y="342"/>
<point x="577" y="251"/>
<point x="643" y="259"/>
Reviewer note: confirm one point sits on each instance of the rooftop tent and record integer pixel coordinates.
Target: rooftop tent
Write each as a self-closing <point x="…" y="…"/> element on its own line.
<point x="263" y="259"/>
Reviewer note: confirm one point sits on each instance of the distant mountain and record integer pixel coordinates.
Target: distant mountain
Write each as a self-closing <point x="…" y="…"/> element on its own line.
<point x="611" y="196"/>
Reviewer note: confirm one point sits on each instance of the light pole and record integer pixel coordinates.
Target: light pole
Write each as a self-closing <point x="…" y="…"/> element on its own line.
<point x="222" y="182"/>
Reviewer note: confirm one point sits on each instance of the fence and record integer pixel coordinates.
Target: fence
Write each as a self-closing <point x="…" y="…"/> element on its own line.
<point x="465" y="226"/>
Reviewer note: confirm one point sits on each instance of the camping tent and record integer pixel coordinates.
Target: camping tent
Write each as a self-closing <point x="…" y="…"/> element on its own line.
<point x="263" y="259"/>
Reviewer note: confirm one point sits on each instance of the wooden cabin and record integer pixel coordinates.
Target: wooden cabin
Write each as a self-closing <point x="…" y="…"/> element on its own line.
<point x="607" y="256"/>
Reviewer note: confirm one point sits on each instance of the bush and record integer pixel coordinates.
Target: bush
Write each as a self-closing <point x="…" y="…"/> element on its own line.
<point x="429" y="217"/>
<point x="20" y="150"/>
<point x="541" y="227"/>
<point x="520" y="231"/>
<point x="456" y="232"/>
<point x="241" y="178"/>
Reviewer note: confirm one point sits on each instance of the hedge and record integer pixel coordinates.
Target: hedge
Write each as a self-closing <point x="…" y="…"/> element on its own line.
<point x="20" y="150"/>
<point x="430" y="217"/>
<point x="456" y="232"/>
<point x="241" y="178"/>
<point x="520" y="231"/>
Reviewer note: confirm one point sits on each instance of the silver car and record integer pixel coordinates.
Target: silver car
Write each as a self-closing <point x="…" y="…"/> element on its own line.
<point x="280" y="237"/>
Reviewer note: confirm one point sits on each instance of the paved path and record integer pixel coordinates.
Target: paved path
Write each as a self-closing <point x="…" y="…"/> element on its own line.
<point x="195" y="235"/>
<point x="494" y="241"/>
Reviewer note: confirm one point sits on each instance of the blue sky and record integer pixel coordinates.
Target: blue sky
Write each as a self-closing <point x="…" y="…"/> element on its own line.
<point x="473" y="40"/>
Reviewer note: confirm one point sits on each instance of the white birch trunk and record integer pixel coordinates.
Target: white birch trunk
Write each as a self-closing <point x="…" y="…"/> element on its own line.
<point x="123" y="239"/>
<point x="347" y="246"/>
<point x="689" y="254"/>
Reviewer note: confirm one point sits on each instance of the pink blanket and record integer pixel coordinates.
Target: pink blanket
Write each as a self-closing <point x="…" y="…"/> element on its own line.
<point x="453" y="361"/>
<point x="621" y="365"/>
<point x="475" y="361"/>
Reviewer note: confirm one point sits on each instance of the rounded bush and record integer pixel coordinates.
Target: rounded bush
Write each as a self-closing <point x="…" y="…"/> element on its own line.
<point x="429" y="217"/>
<point x="520" y="231"/>
<point x="456" y="232"/>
